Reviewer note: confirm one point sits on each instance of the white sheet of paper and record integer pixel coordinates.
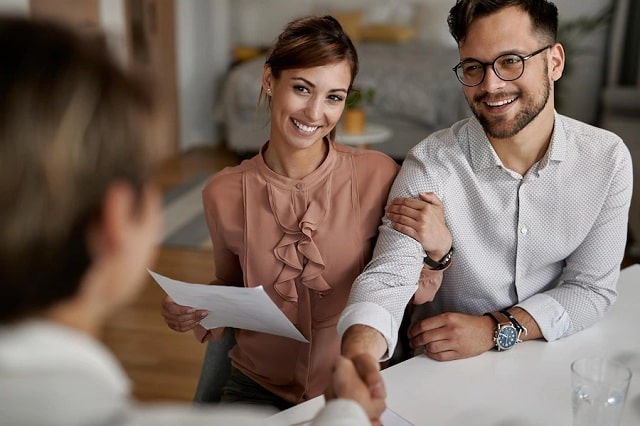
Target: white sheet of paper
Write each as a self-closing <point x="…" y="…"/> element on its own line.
<point x="237" y="307"/>
<point x="391" y="418"/>
<point x="295" y="417"/>
<point x="303" y="415"/>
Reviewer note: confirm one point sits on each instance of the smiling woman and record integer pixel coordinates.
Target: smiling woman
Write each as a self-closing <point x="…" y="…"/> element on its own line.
<point x="300" y="219"/>
<point x="306" y="104"/>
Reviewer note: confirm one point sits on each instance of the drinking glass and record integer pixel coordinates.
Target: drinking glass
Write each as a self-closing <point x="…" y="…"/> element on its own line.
<point x="599" y="391"/>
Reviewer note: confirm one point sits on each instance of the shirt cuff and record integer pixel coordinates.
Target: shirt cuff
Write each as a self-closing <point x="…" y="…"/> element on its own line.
<point x="551" y="317"/>
<point x="374" y="316"/>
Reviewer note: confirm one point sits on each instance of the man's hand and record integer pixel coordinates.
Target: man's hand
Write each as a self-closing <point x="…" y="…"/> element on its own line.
<point x="359" y="379"/>
<point x="453" y="336"/>
<point x="180" y="318"/>
<point x="422" y="220"/>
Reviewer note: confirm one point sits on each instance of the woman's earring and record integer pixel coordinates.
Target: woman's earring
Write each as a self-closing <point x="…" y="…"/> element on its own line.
<point x="269" y="91"/>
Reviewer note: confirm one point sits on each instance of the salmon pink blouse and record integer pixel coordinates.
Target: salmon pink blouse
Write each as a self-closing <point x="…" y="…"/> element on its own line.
<point x="305" y="241"/>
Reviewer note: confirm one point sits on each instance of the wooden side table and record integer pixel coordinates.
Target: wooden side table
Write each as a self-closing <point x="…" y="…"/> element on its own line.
<point x="373" y="134"/>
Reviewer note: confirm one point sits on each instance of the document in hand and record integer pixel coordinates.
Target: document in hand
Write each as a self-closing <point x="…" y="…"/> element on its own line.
<point x="237" y="307"/>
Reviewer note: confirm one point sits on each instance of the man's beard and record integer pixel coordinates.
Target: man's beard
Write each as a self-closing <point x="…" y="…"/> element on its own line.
<point x="502" y="129"/>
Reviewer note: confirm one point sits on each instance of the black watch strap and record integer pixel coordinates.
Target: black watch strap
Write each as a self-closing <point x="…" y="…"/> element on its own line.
<point x="514" y="321"/>
<point x="440" y="264"/>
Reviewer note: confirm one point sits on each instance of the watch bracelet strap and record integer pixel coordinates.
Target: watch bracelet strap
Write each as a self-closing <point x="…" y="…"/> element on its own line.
<point x="514" y="321"/>
<point x="441" y="264"/>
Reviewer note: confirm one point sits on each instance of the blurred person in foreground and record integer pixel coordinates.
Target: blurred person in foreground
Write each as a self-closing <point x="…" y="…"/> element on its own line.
<point x="79" y="221"/>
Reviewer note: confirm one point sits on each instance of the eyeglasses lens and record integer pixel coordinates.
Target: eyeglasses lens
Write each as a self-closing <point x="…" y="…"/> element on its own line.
<point x="507" y="67"/>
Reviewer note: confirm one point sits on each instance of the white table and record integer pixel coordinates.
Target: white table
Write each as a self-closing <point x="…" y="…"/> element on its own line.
<point x="528" y="385"/>
<point x="373" y="134"/>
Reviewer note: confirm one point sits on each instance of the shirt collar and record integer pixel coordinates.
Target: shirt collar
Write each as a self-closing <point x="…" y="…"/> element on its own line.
<point x="483" y="156"/>
<point x="558" y="147"/>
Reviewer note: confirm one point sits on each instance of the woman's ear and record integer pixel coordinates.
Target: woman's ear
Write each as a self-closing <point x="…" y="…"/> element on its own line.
<point x="556" y="65"/>
<point x="267" y="79"/>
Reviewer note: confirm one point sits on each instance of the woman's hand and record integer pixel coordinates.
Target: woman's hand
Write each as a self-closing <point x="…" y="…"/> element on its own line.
<point x="181" y="318"/>
<point x="428" y="285"/>
<point x="422" y="220"/>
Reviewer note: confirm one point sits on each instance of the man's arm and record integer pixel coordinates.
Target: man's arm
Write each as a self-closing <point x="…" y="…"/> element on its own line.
<point x="454" y="335"/>
<point x="587" y="286"/>
<point x="362" y="339"/>
<point x="381" y="292"/>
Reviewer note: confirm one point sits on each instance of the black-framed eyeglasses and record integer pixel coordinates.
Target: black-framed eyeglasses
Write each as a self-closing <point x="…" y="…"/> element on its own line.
<point x="508" y="67"/>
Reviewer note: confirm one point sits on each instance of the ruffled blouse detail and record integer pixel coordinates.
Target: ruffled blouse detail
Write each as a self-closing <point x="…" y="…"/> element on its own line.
<point x="299" y="214"/>
<point x="300" y="207"/>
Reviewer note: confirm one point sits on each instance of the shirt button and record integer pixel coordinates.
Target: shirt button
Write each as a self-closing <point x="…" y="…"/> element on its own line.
<point x="299" y="185"/>
<point x="524" y="230"/>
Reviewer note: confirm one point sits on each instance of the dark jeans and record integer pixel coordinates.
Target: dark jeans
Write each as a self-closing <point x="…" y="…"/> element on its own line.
<point x="240" y="388"/>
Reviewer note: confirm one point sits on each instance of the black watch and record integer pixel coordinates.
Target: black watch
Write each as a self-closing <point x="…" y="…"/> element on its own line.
<point x="440" y="264"/>
<point x="506" y="334"/>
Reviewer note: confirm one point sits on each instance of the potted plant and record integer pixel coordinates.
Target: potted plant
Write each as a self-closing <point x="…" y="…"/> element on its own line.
<point x="354" y="118"/>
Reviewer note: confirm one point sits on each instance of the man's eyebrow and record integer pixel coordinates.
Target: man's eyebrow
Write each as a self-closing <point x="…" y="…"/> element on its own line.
<point x="505" y="52"/>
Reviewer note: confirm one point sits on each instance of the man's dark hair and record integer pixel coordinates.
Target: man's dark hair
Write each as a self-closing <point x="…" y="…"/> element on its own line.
<point x="544" y="16"/>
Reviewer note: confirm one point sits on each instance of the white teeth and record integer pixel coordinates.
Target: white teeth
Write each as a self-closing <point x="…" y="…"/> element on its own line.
<point x="304" y="128"/>
<point x="500" y="103"/>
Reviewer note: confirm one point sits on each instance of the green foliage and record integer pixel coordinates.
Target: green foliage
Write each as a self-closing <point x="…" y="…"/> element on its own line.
<point x="356" y="98"/>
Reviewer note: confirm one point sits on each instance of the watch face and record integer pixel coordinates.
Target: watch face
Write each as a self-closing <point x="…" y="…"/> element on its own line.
<point x="507" y="337"/>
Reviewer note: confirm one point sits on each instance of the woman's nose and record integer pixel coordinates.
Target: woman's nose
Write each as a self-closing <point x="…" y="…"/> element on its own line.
<point x="313" y="109"/>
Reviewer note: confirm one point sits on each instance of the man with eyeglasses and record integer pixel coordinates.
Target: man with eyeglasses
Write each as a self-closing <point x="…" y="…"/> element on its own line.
<point x="535" y="204"/>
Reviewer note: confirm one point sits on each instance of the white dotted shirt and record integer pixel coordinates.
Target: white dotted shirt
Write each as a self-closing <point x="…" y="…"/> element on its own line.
<point x="550" y="241"/>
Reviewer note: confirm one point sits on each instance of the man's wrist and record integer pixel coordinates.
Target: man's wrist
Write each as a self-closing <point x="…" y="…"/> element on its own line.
<point x="362" y="339"/>
<point x="515" y="322"/>
<point x="507" y="332"/>
<point x="492" y="324"/>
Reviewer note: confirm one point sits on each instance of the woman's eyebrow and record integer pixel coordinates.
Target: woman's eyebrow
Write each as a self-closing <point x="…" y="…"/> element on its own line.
<point x="313" y="85"/>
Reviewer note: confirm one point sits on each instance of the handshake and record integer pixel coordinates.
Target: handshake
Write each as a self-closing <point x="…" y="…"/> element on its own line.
<point x="359" y="379"/>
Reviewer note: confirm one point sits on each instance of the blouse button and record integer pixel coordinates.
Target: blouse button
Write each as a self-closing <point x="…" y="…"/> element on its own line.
<point x="524" y="230"/>
<point x="299" y="185"/>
